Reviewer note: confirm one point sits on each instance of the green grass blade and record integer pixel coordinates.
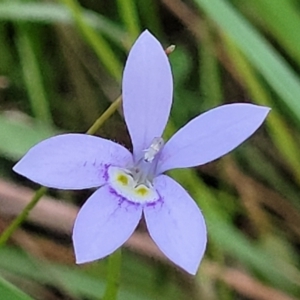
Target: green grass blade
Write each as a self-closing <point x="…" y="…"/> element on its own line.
<point x="281" y="19"/>
<point x="9" y="291"/>
<point x="278" y="129"/>
<point x="32" y="75"/>
<point x="18" y="136"/>
<point x="49" y="13"/>
<point x="103" y="50"/>
<point x="129" y="15"/>
<point x="227" y="237"/>
<point x="210" y="80"/>
<point x="78" y="282"/>
<point x="259" y="52"/>
<point x="150" y="15"/>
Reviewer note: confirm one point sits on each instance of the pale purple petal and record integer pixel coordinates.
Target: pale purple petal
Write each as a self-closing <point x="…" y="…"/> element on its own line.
<point x="211" y="135"/>
<point x="147" y="91"/>
<point x="72" y="161"/>
<point x="176" y="225"/>
<point x="103" y="224"/>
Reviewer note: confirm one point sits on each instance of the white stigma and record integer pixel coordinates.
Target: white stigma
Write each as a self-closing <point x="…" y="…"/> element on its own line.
<point x="150" y="153"/>
<point x="135" y="183"/>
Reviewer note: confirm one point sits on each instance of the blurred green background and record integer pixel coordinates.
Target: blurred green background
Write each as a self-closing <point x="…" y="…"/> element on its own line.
<point x="61" y="66"/>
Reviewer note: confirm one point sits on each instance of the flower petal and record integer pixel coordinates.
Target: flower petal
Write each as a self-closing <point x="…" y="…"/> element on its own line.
<point x="176" y="225"/>
<point x="71" y="161"/>
<point x="103" y="224"/>
<point x="147" y="91"/>
<point x="211" y="135"/>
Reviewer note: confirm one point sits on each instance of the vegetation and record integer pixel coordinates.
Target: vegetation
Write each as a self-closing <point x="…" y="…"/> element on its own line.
<point x="60" y="68"/>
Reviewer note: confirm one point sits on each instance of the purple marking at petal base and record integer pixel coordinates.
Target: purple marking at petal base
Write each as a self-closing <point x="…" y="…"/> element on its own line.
<point x="159" y="201"/>
<point x="71" y="161"/>
<point x="105" y="173"/>
<point x="122" y="199"/>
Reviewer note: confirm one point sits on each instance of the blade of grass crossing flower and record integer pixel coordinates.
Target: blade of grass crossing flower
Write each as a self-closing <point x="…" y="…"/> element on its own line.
<point x="259" y="52"/>
<point x="96" y="41"/>
<point x="32" y="75"/>
<point x="129" y="15"/>
<point x="278" y="129"/>
<point x="113" y="276"/>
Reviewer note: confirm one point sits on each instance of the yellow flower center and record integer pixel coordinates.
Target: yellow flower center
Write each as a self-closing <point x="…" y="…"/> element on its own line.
<point x="123" y="179"/>
<point x="142" y="191"/>
<point x="125" y="185"/>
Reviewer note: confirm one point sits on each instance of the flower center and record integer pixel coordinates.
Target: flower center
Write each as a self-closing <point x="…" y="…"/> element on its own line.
<point x="124" y="184"/>
<point x="135" y="183"/>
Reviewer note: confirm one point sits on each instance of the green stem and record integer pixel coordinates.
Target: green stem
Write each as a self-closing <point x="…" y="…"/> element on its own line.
<point x="99" y="122"/>
<point x="22" y="216"/>
<point x="113" y="275"/>
<point x="17" y="222"/>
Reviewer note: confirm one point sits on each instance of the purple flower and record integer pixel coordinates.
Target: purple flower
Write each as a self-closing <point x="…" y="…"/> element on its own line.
<point x="133" y="184"/>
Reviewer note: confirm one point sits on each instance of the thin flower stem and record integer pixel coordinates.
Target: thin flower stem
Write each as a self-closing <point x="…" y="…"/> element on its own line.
<point x="17" y="222"/>
<point x="114" y="260"/>
<point x="99" y="122"/>
<point x="113" y="276"/>
<point x="22" y="216"/>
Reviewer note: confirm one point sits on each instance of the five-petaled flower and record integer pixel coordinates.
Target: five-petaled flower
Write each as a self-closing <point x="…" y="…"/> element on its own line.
<point x="132" y="185"/>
